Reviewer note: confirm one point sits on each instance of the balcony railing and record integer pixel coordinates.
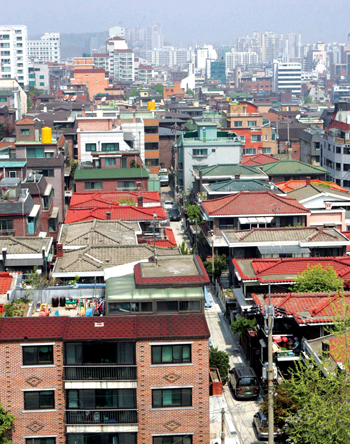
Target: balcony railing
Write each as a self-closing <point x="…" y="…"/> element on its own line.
<point x="100" y="373"/>
<point x="7" y="232"/>
<point x="101" y="417"/>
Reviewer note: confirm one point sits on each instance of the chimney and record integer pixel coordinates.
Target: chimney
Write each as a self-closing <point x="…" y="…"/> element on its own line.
<point x="134" y="117"/>
<point x="119" y="120"/>
<point x="59" y="249"/>
<point x="200" y="181"/>
<point x="4" y="254"/>
<point x="140" y="201"/>
<point x="108" y="215"/>
<point x="308" y="180"/>
<point x="237" y="176"/>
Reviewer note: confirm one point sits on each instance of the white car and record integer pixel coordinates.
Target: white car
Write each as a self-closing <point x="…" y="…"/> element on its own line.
<point x="168" y="204"/>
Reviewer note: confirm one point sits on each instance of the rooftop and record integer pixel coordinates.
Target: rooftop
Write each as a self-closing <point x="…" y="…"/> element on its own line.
<point x="258" y="159"/>
<point x="229" y="171"/>
<point x="291" y="185"/>
<point x="292" y="167"/>
<point x="102" y="199"/>
<point x="236" y="185"/>
<point x="25" y="245"/>
<point x="314" y="190"/>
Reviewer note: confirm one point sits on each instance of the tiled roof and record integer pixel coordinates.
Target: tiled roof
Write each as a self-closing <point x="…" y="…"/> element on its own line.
<point x="25" y="122"/>
<point x="111" y="173"/>
<point x="114" y="328"/>
<point x="314" y="190"/>
<point x="286" y="269"/>
<point x="258" y="159"/>
<point x="253" y="203"/>
<point x="24" y="245"/>
<point x="229" y="171"/>
<point x="132" y="214"/>
<point x="96" y="258"/>
<point x="292" y="167"/>
<point x="291" y="185"/>
<point x="286" y="234"/>
<point x="103" y="198"/>
<point x="5" y="282"/>
<point x="235" y="185"/>
<point x="168" y="242"/>
<point x="307" y="308"/>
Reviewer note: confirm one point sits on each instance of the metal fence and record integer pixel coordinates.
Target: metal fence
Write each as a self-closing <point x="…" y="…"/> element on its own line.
<point x="100" y="373"/>
<point x="101" y="416"/>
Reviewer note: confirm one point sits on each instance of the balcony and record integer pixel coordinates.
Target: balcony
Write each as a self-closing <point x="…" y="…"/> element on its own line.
<point x="100" y="373"/>
<point x="99" y="417"/>
<point x="7" y="232"/>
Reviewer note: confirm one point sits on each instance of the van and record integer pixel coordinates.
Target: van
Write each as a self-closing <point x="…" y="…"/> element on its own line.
<point x="244" y="382"/>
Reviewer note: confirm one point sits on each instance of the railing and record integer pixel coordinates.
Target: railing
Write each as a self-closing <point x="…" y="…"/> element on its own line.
<point x="217" y="139"/>
<point x="100" y="373"/>
<point x="101" y="417"/>
<point x="7" y="232"/>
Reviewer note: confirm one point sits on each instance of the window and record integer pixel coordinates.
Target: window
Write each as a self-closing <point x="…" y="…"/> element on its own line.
<point x="41" y="440"/>
<point x="38" y="355"/>
<point x="93" y="185"/>
<point x="237" y="123"/>
<point x="102" y="438"/>
<point x="42" y="84"/>
<point x="110" y="161"/>
<point x="171" y="354"/>
<point x="120" y="353"/>
<point x="266" y="150"/>
<point x="256" y="138"/>
<point x="266" y="137"/>
<point x="249" y="150"/>
<point x="273" y="136"/>
<point x="101" y="399"/>
<point x="126" y="185"/>
<point x="31" y="76"/>
<point x="151" y="146"/>
<point x="152" y="162"/>
<point x="6" y="225"/>
<point x="110" y="147"/>
<point x="252" y="123"/>
<point x="167" y="306"/>
<point x="35" y="152"/>
<point x="177" y="439"/>
<point x="200" y="152"/>
<point x="181" y="397"/>
<point x="13" y="174"/>
<point x="151" y="129"/>
<point x="3" y="99"/>
<point x="39" y="400"/>
<point x="42" y="77"/>
<point x="90" y="147"/>
<point x="48" y="173"/>
<point x="337" y="149"/>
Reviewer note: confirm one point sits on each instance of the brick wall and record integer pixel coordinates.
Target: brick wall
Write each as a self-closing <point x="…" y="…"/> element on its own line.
<point x="107" y="185"/>
<point x="14" y="379"/>
<point x="180" y="420"/>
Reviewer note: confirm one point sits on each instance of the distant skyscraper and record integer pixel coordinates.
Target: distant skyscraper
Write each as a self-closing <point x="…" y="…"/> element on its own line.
<point x="14" y="54"/>
<point x="292" y="44"/>
<point x="272" y="46"/>
<point x="146" y="39"/>
<point x="47" y="49"/>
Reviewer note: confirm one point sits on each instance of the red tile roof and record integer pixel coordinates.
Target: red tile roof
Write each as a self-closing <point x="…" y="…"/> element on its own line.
<point x="291" y="185"/>
<point x="114" y="328"/>
<point x="307" y="308"/>
<point x="127" y="213"/>
<point x="169" y="242"/>
<point x="199" y="279"/>
<point x="258" y="159"/>
<point x="5" y="282"/>
<point x="25" y="122"/>
<point x="100" y="199"/>
<point x="286" y="269"/>
<point x="253" y="203"/>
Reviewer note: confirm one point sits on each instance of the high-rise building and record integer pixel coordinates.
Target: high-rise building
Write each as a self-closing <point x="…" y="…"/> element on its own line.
<point x="287" y="77"/>
<point x="272" y="46"/>
<point x="292" y="44"/>
<point x="234" y="59"/>
<point x="146" y="39"/>
<point x="14" y="54"/>
<point x="47" y="49"/>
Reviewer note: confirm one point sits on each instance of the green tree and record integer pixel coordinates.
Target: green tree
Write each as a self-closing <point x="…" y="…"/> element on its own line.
<point x="133" y="93"/>
<point x="220" y="360"/>
<point x="158" y="89"/>
<point x="73" y="166"/>
<point x="184" y="248"/>
<point x="220" y="264"/>
<point x="317" y="278"/>
<point x="242" y="325"/>
<point x="190" y="91"/>
<point x="134" y="164"/>
<point x="308" y="99"/>
<point x="193" y="214"/>
<point x="6" y="422"/>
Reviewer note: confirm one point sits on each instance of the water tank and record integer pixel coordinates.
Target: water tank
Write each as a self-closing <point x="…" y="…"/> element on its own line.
<point x="46" y="135"/>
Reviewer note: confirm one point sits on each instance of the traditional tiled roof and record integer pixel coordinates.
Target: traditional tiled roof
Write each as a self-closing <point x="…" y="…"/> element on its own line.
<point x="229" y="171"/>
<point x="286" y="269"/>
<point x="314" y="190"/>
<point x="302" y="235"/>
<point x="258" y="159"/>
<point x="292" y="167"/>
<point x="24" y="245"/>
<point x="307" y="308"/>
<point x="25" y="122"/>
<point x="104" y="198"/>
<point x="253" y="203"/>
<point x="122" y="327"/>
<point x="236" y="185"/>
<point x="291" y="185"/>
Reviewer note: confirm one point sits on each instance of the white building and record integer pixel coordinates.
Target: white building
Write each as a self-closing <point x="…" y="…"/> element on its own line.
<point x="19" y="95"/>
<point x="287" y="77"/>
<point x="39" y="77"/>
<point x="123" y="62"/>
<point x="14" y="54"/>
<point x="233" y="59"/>
<point x="117" y="31"/>
<point x="47" y="49"/>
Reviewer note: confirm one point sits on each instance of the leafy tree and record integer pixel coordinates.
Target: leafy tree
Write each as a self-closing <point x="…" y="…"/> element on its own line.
<point x="317" y="278"/>
<point x="158" y="89"/>
<point x="220" y="360"/>
<point x="6" y="422"/>
<point x="133" y="93"/>
<point x="220" y="264"/>
<point x="184" y="248"/>
<point x="242" y="325"/>
<point x="73" y="166"/>
<point x="134" y="164"/>
<point x="193" y="214"/>
<point x="190" y="91"/>
<point x="308" y="99"/>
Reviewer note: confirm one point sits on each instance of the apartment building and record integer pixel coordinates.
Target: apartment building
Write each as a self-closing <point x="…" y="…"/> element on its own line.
<point x="123" y="62"/>
<point x="14" y="54"/>
<point x="287" y="77"/>
<point x="46" y="49"/>
<point x="38" y="76"/>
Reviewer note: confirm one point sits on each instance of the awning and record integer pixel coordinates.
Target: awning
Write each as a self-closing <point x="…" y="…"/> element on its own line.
<point x="255" y="220"/>
<point x="54" y="213"/>
<point x="47" y="190"/>
<point x="35" y="211"/>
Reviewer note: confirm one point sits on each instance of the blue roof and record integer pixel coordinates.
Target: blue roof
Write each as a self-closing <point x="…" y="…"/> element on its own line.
<point x="14" y="164"/>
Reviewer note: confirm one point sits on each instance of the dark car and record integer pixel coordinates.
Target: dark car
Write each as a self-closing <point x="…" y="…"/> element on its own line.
<point x="244" y="382"/>
<point x="174" y="214"/>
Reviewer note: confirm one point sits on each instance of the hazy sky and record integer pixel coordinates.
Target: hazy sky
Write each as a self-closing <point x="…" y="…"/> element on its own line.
<point x="185" y="21"/>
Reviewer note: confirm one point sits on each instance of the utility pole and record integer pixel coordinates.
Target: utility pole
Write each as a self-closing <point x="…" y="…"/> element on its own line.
<point x="223" y="426"/>
<point x="269" y="314"/>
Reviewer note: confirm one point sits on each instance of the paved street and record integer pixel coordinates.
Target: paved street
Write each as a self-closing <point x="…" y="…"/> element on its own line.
<point x="241" y="411"/>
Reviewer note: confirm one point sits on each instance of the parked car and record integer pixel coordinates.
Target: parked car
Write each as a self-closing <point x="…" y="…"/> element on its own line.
<point x="174" y="214"/>
<point x="261" y="426"/>
<point x="244" y="382"/>
<point x="168" y="204"/>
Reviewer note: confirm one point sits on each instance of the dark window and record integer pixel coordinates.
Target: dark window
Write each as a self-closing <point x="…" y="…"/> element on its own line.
<point x="151" y="129"/>
<point x="6" y="225"/>
<point x="93" y="185"/>
<point x="110" y="161"/>
<point x="39" y="400"/>
<point x="35" y="152"/>
<point x="149" y="146"/>
<point x="167" y="306"/>
<point x="177" y="439"/>
<point x="237" y="123"/>
<point x="101" y="399"/>
<point x="40" y="440"/>
<point x="90" y="147"/>
<point x="181" y="397"/>
<point x="120" y="353"/>
<point x="243" y="382"/>
<point x="38" y="355"/>
<point x="110" y="146"/>
<point x="25" y="132"/>
<point x="189" y="305"/>
<point x="102" y="438"/>
<point x="171" y="354"/>
<point x="48" y="173"/>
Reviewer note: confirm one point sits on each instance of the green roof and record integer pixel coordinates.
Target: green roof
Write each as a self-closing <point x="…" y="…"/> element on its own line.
<point x="6" y="93"/>
<point x="230" y="170"/>
<point x="14" y="164"/>
<point x="111" y="173"/>
<point x="233" y="185"/>
<point x="294" y="167"/>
